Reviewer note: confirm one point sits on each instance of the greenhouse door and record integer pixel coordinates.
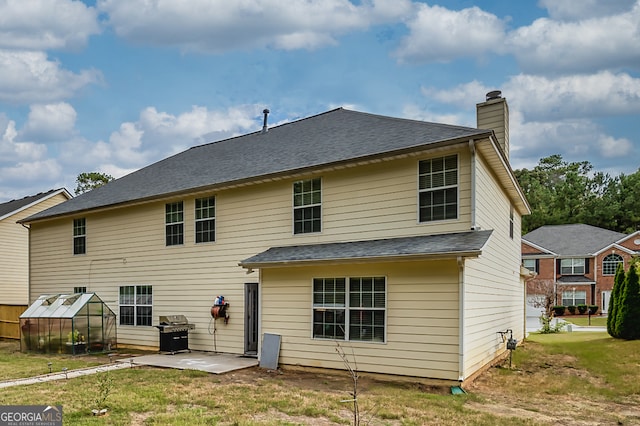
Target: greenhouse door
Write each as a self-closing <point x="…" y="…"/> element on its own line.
<point x="251" y="319"/>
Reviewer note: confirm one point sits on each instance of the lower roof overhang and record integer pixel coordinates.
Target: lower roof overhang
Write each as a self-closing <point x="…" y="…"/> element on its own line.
<point x="423" y="247"/>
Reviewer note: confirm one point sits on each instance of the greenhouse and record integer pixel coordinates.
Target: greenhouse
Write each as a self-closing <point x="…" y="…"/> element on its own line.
<point x="68" y="323"/>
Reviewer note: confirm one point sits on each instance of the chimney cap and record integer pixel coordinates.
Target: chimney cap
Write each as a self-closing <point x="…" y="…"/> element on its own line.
<point x="494" y="94"/>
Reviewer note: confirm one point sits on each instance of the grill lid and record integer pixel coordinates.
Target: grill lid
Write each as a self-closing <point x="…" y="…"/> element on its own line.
<point x="168" y="323"/>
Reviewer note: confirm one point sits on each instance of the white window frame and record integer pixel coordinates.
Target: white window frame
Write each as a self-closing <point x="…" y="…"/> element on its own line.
<point x="608" y="264"/>
<point x="343" y="307"/>
<point x="531" y="268"/>
<point x="174" y="218"/>
<point x="138" y="299"/>
<point x="301" y="205"/>
<point x="573" y="267"/>
<point x="431" y="189"/>
<point x="205" y="211"/>
<point x="80" y="234"/>
<point x="573" y="297"/>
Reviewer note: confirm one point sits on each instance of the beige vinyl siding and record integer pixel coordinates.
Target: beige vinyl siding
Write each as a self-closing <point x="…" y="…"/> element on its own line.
<point x="14" y="253"/>
<point x="421" y="318"/>
<point x="126" y="246"/>
<point x="494" y="293"/>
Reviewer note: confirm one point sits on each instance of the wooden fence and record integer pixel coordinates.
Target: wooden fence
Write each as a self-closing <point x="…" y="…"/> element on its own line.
<point x="10" y="320"/>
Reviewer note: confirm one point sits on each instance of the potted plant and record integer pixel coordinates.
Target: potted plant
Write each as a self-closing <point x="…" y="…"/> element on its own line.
<point x="75" y="342"/>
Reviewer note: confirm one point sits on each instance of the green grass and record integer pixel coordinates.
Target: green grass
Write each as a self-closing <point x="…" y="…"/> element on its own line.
<point x="584" y="321"/>
<point x="588" y="376"/>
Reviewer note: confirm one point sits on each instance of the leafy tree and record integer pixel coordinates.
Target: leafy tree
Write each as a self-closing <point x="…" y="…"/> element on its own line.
<point x="628" y="316"/>
<point x="88" y="181"/>
<point x="612" y="313"/>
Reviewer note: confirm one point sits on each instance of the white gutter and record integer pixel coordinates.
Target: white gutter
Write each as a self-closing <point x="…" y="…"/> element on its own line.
<point x="461" y="319"/>
<point x="472" y="148"/>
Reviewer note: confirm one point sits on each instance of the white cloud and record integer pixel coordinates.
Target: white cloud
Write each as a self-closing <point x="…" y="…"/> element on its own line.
<point x="584" y="9"/>
<point x="601" y="94"/>
<point x="42" y="170"/>
<point x="30" y="77"/>
<point x="603" y="42"/>
<point x="50" y="122"/>
<point x="611" y="147"/>
<point x="442" y="35"/>
<point x="12" y="150"/>
<point x="221" y="25"/>
<point x="46" y="24"/>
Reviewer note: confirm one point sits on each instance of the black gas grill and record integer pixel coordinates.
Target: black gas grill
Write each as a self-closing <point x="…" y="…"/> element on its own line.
<point x="174" y="333"/>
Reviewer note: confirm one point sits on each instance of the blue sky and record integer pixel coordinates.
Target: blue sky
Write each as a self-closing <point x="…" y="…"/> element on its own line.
<point x="112" y="86"/>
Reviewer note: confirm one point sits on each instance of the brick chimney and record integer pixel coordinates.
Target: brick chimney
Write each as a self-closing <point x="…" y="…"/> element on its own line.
<point x="494" y="114"/>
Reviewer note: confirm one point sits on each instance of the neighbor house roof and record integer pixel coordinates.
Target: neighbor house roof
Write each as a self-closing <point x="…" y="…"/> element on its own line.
<point x="468" y="243"/>
<point x="572" y="240"/>
<point x="15" y="206"/>
<point x="331" y="138"/>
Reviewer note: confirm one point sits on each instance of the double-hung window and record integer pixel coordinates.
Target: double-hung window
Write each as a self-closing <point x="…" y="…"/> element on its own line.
<point x="438" y="188"/>
<point x="307" y="206"/>
<point x="574" y="297"/>
<point x="174" y="223"/>
<point x="572" y="266"/>
<point x="205" y="220"/>
<point x="136" y="305"/>
<point x="531" y="264"/>
<point x="351" y="309"/>
<point x="79" y="236"/>
<point x="610" y="264"/>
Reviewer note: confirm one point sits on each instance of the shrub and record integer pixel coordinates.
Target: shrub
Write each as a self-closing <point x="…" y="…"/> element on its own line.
<point x="571" y="309"/>
<point x="612" y="314"/>
<point x="628" y="317"/>
<point x="582" y="309"/>
<point x="593" y="309"/>
<point x="547" y="327"/>
<point x="558" y="311"/>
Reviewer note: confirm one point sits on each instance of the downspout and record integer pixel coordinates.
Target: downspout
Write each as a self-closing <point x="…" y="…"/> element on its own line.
<point x="472" y="149"/>
<point x="461" y="319"/>
<point x="28" y="228"/>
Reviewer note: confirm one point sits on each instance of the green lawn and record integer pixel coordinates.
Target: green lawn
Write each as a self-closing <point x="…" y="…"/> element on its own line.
<point x="584" y="321"/>
<point x="566" y="378"/>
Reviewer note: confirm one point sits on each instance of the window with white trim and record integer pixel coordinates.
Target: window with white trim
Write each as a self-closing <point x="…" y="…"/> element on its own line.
<point x="572" y="266"/>
<point x="205" y="220"/>
<point x="438" y="188"/>
<point x="136" y="305"/>
<point x="79" y="236"/>
<point x="610" y="264"/>
<point x="351" y="309"/>
<point x="530" y="264"/>
<point x="574" y="297"/>
<point x="174" y="223"/>
<point x="307" y="206"/>
<point x="80" y="289"/>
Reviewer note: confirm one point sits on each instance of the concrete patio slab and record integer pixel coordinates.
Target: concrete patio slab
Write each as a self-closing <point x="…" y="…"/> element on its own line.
<point x="211" y="362"/>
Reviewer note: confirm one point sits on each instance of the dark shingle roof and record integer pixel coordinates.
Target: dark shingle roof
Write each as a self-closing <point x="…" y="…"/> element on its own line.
<point x="573" y="240"/>
<point x="458" y="244"/>
<point x="15" y="205"/>
<point x="574" y="279"/>
<point x="330" y="138"/>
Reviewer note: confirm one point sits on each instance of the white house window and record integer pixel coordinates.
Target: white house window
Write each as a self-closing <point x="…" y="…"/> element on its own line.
<point x="438" y="188"/>
<point x="136" y="305"/>
<point x="574" y="297"/>
<point x="531" y="264"/>
<point x="350" y="308"/>
<point x="307" y="204"/>
<point x="79" y="236"/>
<point x="205" y="220"/>
<point x="80" y="289"/>
<point x="610" y="264"/>
<point x="174" y="223"/>
<point x="572" y="266"/>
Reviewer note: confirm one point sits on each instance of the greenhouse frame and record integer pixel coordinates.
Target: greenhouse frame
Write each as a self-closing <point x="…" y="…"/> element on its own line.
<point x="68" y="323"/>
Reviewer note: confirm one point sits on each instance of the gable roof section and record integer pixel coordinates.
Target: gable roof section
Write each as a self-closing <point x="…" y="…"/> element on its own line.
<point x="468" y="243"/>
<point x="15" y="206"/>
<point x="572" y="240"/>
<point x="332" y="138"/>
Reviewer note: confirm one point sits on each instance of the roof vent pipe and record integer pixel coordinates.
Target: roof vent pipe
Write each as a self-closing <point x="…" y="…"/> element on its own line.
<point x="494" y="94"/>
<point x="264" y="123"/>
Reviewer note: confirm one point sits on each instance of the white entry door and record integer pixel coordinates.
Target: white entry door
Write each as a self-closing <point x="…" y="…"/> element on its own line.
<point x="606" y="295"/>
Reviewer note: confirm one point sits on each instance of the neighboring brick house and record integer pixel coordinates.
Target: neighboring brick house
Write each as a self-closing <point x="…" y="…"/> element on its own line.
<point x="578" y="262"/>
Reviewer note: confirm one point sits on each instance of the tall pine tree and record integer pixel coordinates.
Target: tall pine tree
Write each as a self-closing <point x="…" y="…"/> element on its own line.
<point x="628" y="316"/>
<point x="613" y="301"/>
